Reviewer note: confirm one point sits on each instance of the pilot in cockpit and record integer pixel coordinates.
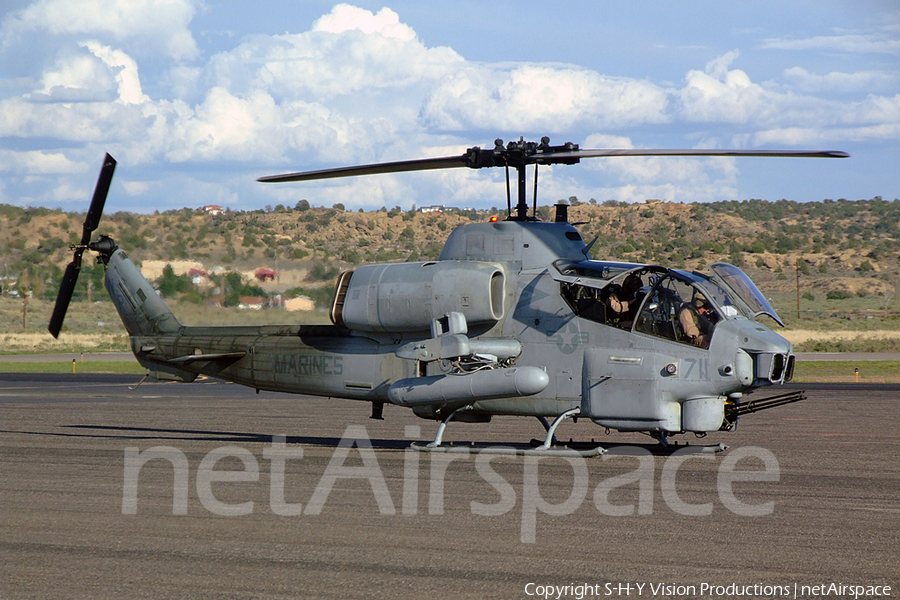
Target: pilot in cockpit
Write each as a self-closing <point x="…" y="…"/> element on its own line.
<point x="697" y="319"/>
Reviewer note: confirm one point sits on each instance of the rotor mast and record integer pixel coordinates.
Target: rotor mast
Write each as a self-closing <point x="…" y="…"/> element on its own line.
<point x="518" y="155"/>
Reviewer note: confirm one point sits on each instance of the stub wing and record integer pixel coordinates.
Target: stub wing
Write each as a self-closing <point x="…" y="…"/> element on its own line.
<point x="225" y="357"/>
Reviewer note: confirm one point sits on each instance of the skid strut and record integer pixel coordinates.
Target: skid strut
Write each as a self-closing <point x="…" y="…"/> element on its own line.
<point x="546" y="449"/>
<point x="546" y="425"/>
<point x="551" y="431"/>
<point x="440" y="432"/>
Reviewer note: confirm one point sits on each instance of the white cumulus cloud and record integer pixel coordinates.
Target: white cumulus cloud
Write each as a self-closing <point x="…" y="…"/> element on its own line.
<point x="158" y="25"/>
<point x="35" y="162"/>
<point x="347" y="51"/>
<point x="722" y="95"/>
<point x="345" y="17"/>
<point x="805" y="81"/>
<point x="540" y="97"/>
<point x="852" y="43"/>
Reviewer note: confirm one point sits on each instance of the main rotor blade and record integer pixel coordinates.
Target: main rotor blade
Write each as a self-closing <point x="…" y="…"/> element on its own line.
<point x="66" y="289"/>
<point x="421" y="164"/>
<point x="601" y="152"/>
<point x="477" y="158"/>
<point x="92" y="220"/>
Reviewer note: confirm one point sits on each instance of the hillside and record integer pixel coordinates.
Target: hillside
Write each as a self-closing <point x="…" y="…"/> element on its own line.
<point x="847" y="253"/>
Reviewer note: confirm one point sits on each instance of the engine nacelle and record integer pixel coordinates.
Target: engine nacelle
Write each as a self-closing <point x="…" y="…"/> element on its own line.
<point x="408" y="296"/>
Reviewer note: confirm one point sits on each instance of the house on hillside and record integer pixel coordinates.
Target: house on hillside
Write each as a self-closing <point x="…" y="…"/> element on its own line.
<point x="212" y="209"/>
<point x="252" y="302"/>
<point x="198" y="276"/>
<point x="266" y="274"/>
<point x="299" y="303"/>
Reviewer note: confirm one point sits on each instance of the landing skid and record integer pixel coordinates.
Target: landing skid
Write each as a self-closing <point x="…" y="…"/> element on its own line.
<point x="665" y="447"/>
<point x="633" y="449"/>
<point x="548" y="448"/>
<point x="510" y="450"/>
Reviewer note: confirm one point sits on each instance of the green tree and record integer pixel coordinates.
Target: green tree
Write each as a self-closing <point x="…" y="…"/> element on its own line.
<point x="235" y="288"/>
<point x="351" y="256"/>
<point x="171" y="285"/>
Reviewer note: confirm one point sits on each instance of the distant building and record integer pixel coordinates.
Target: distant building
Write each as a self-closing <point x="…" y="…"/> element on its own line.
<point x="8" y="285"/>
<point x="198" y="276"/>
<point x="252" y="302"/>
<point x="438" y="208"/>
<point x="212" y="209"/>
<point x="266" y="274"/>
<point x="299" y="303"/>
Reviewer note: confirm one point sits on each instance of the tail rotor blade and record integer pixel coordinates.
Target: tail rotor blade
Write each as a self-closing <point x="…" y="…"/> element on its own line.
<point x="66" y="289"/>
<point x="92" y="220"/>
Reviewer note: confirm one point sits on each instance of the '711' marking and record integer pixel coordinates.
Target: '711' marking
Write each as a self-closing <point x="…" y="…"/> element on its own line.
<point x="702" y="370"/>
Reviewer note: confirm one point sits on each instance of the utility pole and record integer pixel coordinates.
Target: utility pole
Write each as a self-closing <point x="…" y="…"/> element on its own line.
<point x="891" y="296"/>
<point x="25" y="301"/>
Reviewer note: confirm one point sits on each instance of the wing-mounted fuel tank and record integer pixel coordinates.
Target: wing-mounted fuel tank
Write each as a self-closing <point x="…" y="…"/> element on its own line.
<point x="409" y="296"/>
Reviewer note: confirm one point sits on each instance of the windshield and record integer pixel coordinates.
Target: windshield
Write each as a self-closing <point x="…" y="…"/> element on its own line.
<point x="725" y="300"/>
<point x="741" y="285"/>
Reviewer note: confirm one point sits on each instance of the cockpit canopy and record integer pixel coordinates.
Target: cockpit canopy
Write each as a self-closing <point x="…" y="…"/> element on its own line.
<point x="678" y="305"/>
<point x="738" y="282"/>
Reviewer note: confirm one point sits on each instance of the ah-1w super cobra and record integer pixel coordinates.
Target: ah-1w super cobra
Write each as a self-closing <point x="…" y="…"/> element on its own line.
<point x="514" y="318"/>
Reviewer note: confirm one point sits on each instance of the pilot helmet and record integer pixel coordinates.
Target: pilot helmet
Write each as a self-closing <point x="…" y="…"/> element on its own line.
<point x="632" y="284"/>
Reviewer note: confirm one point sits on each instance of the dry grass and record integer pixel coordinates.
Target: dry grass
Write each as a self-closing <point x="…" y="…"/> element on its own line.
<point x="34" y="342"/>
<point x="91" y="327"/>
<point x="800" y="336"/>
<point x="881" y="371"/>
<point x="65" y="366"/>
<point x="844" y="341"/>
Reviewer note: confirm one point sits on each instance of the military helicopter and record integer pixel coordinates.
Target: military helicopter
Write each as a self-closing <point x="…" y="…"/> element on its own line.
<point x="514" y="318"/>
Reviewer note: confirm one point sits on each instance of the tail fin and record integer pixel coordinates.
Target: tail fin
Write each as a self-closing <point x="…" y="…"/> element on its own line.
<point x="141" y="309"/>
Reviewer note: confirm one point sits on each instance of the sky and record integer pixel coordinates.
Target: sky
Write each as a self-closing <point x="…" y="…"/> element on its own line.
<point x="198" y="98"/>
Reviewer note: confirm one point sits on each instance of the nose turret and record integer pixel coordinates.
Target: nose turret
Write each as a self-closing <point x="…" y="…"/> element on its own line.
<point x="762" y="356"/>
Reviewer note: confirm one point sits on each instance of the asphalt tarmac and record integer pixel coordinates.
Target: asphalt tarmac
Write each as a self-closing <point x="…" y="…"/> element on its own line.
<point x="806" y="495"/>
